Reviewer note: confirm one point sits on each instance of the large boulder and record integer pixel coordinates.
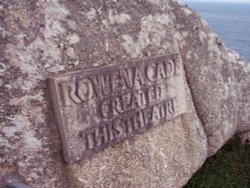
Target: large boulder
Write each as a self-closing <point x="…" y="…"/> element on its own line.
<point x="40" y="39"/>
<point x="218" y="79"/>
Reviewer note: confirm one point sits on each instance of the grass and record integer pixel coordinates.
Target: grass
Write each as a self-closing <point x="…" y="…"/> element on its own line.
<point x="229" y="168"/>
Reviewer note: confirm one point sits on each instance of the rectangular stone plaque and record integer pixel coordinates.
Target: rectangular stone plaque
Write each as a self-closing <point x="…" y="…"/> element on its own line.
<point x="99" y="107"/>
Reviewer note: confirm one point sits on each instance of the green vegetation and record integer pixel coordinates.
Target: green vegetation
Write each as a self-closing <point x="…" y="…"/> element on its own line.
<point x="229" y="168"/>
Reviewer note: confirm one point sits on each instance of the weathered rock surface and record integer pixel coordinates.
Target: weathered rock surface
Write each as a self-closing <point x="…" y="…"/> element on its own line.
<point x="218" y="79"/>
<point x="43" y="38"/>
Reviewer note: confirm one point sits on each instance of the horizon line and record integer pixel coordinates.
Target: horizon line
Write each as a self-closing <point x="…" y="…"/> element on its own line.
<point x="209" y="1"/>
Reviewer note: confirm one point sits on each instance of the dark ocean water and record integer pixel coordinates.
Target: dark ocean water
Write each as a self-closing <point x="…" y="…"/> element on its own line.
<point x="231" y="21"/>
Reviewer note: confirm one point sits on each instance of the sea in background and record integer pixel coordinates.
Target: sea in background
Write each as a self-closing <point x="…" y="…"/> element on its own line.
<point x="231" y="21"/>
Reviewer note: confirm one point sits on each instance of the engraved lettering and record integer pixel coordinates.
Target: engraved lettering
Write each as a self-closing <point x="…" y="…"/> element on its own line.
<point x="101" y="135"/>
<point x="171" y="108"/>
<point x="141" y="98"/>
<point x="156" y="113"/>
<point x="117" y="106"/>
<point x="138" y="78"/>
<point x="116" y="81"/>
<point x="85" y="89"/>
<point x="106" y="108"/>
<point x="154" y="93"/>
<point x="118" y="129"/>
<point x="84" y="139"/>
<point x="126" y="98"/>
<point x="134" y="103"/>
<point x="158" y="92"/>
<point x="139" y="120"/>
<point x="150" y="72"/>
<point x="127" y="77"/>
<point x="111" y="133"/>
<point x="69" y="94"/>
<point x="163" y="110"/>
<point x="161" y="71"/>
<point x="90" y="139"/>
<point x="102" y="85"/>
<point x="171" y="68"/>
<point x="113" y="103"/>
<point x="129" y="125"/>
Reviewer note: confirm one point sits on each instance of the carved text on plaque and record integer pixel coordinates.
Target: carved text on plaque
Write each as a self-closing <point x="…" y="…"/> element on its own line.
<point x="99" y="107"/>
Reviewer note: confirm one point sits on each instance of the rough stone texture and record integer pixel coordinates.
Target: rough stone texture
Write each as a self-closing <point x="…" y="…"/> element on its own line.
<point x="45" y="37"/>
<point x="242" y="72"/>
<point x="85" y="123"/>
<point x="218" y="78"/>
<point x="29" y="143"/>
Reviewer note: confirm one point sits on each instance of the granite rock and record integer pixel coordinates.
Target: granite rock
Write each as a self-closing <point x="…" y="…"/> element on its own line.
<point x="218" y="80"/>
<point x="42" y="38"/>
